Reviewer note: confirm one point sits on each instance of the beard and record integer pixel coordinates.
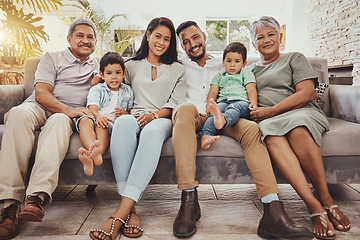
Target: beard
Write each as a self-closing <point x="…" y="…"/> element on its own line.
<point x="195" y="58"/>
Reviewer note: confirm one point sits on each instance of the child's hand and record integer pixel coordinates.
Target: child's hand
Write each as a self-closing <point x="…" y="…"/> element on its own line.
<point x="252" y="107"/>
<point x="120" y="111"/>
<point x="103" y="121"/>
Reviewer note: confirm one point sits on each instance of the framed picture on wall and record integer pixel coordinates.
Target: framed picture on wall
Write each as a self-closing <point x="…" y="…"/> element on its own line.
<point x="283" y="37"/>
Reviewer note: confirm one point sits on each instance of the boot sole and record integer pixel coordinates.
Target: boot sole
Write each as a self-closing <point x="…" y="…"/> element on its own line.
<point x="267" y="235"/>
<point x="30" y="217"/>
<point x="185" y="235"/>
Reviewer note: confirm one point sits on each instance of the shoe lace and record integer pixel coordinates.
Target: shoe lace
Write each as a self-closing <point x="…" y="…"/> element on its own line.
<point x="34" y="200"/>
<point x="9" y="212"/>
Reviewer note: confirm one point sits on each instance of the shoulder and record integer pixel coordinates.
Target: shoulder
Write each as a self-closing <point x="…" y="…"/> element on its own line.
<point x="98" y="87"/>
<point x="291" y="56"/>
<point x="130" y="64"/>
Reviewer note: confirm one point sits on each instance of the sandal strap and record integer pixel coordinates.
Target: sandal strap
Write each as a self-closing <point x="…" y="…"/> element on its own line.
<point x="322" y="218"/>
<point x="114" y="219"/>
<point x="134" y="226"/>
<point x="333" y="212"/>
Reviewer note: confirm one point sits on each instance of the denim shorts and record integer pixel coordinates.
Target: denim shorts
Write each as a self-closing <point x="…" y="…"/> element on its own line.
<point x="77" y="123"/>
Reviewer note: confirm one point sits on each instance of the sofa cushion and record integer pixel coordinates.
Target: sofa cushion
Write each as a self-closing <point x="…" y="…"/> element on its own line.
<point x="342" y="139"/>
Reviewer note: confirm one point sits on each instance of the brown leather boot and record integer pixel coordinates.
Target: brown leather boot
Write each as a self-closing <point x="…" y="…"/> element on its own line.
<point x="32" y="209"/>
<point x="189" y="212"/>
<point x="275" y="223"/>
<point x="9" y="222"/>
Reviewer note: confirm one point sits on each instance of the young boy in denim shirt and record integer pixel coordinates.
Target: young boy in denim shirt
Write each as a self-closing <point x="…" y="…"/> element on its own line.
<point x="106" y="101"/>
<point x="234" y="91"/>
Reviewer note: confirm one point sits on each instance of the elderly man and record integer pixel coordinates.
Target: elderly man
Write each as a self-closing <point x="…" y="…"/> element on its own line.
<point x="62" y="81"/>
<point x="189" y="118"/>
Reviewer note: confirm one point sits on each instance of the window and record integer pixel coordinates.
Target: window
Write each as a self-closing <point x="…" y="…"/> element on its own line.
<point x="221" y="32"/>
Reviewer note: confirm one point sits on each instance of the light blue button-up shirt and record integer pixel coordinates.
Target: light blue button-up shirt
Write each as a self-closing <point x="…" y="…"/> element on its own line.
<point x="100" y="94"/>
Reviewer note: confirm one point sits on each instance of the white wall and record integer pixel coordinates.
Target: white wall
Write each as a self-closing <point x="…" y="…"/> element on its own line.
<point x="140" y="12"/>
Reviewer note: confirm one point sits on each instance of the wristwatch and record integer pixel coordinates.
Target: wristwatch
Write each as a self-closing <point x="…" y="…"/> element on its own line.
<point x="156" y="115"/>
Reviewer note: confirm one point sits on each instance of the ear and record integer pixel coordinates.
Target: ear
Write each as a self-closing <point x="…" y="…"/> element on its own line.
<point x="101" y="75"/>
<point x="148" y="34"/>
<point x="244" y="64"/>
<point x="204" y="36"/>
<point x="68" y="39"/>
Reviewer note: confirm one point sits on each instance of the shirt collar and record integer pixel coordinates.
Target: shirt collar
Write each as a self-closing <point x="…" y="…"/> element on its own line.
<point x="213" y="61"/>
<point x="106" y="87"/>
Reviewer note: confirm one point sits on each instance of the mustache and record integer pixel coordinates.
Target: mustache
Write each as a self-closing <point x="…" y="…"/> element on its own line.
<point x="85" y="44"/>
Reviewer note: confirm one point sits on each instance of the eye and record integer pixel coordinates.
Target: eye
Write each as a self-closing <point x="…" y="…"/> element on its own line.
<point x="185" y="42"/>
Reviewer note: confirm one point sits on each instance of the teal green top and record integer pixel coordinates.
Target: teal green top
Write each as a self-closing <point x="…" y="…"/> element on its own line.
<point x="232" y="87"/>
<point x="277" y="81"/>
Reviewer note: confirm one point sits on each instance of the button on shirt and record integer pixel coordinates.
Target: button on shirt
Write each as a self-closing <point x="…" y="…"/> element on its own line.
<point x="198" y="79"/>
<point x="233" y="87"/>
<point x="100" y="95"/>
<point x="69" y="77"/>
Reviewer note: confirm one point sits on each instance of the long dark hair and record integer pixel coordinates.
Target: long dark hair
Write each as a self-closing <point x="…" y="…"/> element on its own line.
<point x="170" y="56"/>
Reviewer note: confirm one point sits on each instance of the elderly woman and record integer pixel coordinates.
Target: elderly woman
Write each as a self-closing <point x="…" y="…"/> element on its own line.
<point x="292" y="123"/>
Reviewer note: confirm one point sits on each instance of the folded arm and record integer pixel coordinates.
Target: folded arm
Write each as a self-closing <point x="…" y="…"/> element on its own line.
<point x="303" y="95"/>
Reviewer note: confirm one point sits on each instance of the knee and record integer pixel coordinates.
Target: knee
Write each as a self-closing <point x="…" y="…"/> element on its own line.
<point x="59" y="119"/>
<point x="298" y="133"/>
<point x="184" y="112"/>
<point x="125" y="122"/>
<point x="86" y="122"/>
<point x="18" y="114"/>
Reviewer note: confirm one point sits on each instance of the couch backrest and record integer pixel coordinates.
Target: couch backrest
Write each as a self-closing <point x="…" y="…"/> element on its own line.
<point x="319" y="65"/>
<point x="29" y="76"/>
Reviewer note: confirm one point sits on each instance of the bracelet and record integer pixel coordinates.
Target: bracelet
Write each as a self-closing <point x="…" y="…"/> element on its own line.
<point x="156" y="115"/>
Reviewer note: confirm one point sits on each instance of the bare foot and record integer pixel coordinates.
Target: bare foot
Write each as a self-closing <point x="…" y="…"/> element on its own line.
<point x="207" y="140"/>
<point x="322" y="227"/>
<point x="84" y="157"/>
<point x="337" y="218"/>
<point x="132" y="228"/>
<point x="219" y="119"/>
<point x="95" y="152"/>
<point x="108" y="230"/>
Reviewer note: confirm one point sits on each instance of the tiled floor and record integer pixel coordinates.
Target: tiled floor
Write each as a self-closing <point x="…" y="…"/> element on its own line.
<point x="230" y="212"/>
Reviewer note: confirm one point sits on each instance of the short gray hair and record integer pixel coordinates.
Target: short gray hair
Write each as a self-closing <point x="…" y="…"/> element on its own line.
<point x="264" y="21"/>
<point x="81" y="21"/>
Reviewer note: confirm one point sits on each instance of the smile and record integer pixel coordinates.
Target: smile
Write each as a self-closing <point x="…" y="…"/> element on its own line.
<point x="159" y="48"/>
<point x="195" y="49"/>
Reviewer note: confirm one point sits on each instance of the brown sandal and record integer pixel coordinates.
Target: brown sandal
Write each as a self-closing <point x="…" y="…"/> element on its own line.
<point x="332" y="212"/>
<point x="322" y="218"/>
<point x="114" y="219"/>
<point x="131" y="235"/>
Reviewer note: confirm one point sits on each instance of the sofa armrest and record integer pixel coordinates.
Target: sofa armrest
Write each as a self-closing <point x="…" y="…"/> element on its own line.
<point x="344" y="100"/>
<point x="10" y="96"/>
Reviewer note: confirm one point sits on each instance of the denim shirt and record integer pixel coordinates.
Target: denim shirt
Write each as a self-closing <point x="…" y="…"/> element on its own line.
<point x="99" y="95"/>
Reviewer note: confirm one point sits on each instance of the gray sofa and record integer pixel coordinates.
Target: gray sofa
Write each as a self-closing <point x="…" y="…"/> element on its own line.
<point x="224" y="162"/>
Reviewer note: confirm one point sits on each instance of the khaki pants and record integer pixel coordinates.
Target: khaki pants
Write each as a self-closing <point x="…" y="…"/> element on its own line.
<point x="187" y="121"/>
<point x="17" y="144"/>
